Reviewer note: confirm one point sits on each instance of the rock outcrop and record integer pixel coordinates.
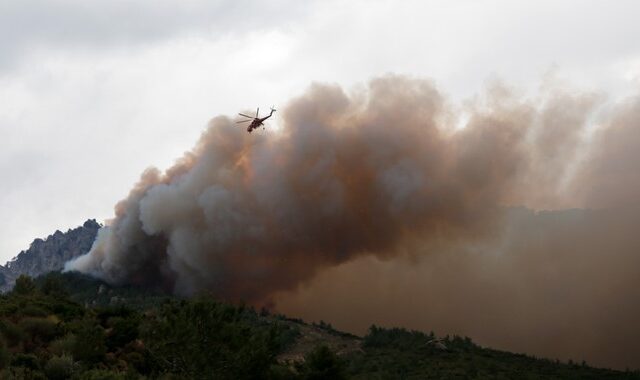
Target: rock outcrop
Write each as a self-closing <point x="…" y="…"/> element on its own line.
<point x="49" y="254"/>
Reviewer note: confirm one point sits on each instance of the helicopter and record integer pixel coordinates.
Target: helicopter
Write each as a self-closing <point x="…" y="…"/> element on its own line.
<point x="256" y="121"/>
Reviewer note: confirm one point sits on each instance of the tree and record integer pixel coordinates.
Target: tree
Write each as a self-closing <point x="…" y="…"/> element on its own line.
<point x="89" y="345"/>
<point x="123" y="331"/>
<point x="5" y="355"/>
<point x="24" y="285"/>
<point x="53" y="286"/>
<point x="59" y="367"/>
<point x="208" y="340"/>
<point x="322" y="363"/>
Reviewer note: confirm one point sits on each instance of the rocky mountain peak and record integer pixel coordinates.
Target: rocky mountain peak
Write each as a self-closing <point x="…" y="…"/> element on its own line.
<point x="49" y="254"/>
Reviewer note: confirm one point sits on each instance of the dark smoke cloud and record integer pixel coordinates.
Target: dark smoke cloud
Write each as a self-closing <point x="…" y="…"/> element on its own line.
<point x="384" y="173"/>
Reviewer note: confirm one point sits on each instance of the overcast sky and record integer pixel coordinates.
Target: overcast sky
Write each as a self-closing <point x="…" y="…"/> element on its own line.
<point x="93" y="92"/>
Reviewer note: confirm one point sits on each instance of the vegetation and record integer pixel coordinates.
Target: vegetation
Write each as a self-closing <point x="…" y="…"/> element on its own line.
<point x="71" y="327"/>
<point x="402" y="354"/>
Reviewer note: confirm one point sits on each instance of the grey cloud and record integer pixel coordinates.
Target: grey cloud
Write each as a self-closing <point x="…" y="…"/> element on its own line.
<point x="69" y="24"/>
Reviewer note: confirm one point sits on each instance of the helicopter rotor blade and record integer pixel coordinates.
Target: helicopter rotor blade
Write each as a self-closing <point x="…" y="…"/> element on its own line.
<point x="242" y="121"/>
<point x="258" y="109"/>
<point x="241" y="114"/>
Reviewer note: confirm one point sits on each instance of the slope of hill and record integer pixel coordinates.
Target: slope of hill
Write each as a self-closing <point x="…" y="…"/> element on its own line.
<point x="69" y="325"/>
<point x="133" y="334"/>
<point x="49" y="254"/>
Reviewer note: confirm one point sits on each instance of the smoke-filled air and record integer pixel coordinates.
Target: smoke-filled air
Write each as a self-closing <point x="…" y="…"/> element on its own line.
<point x="294" y="216"/>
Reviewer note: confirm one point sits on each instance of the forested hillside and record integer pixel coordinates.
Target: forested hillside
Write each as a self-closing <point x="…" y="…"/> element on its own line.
<point x="70" y="326"/>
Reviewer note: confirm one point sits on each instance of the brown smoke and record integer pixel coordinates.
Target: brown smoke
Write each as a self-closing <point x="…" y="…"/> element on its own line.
<point x="558" y="284"/>
<point x="245" y="215"/>
<point x="384" y="173"/>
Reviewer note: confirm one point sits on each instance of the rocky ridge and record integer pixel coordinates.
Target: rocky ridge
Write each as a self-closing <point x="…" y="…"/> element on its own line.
<point x="49" y="254"/>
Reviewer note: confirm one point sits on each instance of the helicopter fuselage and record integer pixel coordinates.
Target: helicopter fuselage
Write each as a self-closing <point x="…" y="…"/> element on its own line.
<point x="257" y="121"/>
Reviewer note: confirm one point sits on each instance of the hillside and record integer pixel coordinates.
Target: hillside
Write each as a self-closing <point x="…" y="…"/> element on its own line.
<point x="73" y="326"/>
<point x="47" y="331"/>
<point x="49" y="254"/>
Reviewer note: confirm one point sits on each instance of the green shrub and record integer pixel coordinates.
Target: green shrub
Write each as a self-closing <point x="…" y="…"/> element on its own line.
<point x="101" y="374"/>
<point x="21" y="373"/>
<point x="282" y="372"/>
<point x="9" y="308"/>
<point x="322" y="363"/>
<point x="63" y="345"/>
<point x="40" y="328"/>
<point x="52" y="285"/>
<point x="89" y="346"/>
<point x="5" y="355"/>
<point x="138" y="361"/>
<point x="33" y="311"/>
<point x="28" y="361"/>
<point x="11" y="332"/>
<point x="24" y="285"/>
<point x="59" y="367"/>
<point x="208" y="340"/>
<point x="67" y="310"/>
<point x="123" y="331"/>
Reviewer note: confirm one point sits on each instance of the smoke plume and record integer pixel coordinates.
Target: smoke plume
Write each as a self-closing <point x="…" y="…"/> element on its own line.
<point x="244" y="215"/>
<point x="557" y="284"/>
<point x="388" y="172"/>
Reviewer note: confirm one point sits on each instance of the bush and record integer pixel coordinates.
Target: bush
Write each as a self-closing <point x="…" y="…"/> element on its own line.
<point x="138" y="361"/>
<point x="40" y="328"/>
<point x="208" y="340"/>
<point x="398" y="338"/>
<point x="67" y="310"/>
<point x="12" y="332"/>
<point x="63" y="345"/>
<point x="282" y="372"/>
<point x="59" y="367"/>
<point x="24" y="285"/>
<point x="100" y="374"/>
<point x="33" y="311"/>
<point x="5" y="356"/>
<point x="322" y="363"/>
<point x="28" y="361"/>
<point x="89" y="346"/>
<point x="53" y="286"/>
<point x="20" y="373"/>
<point x="123" y="331"/>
